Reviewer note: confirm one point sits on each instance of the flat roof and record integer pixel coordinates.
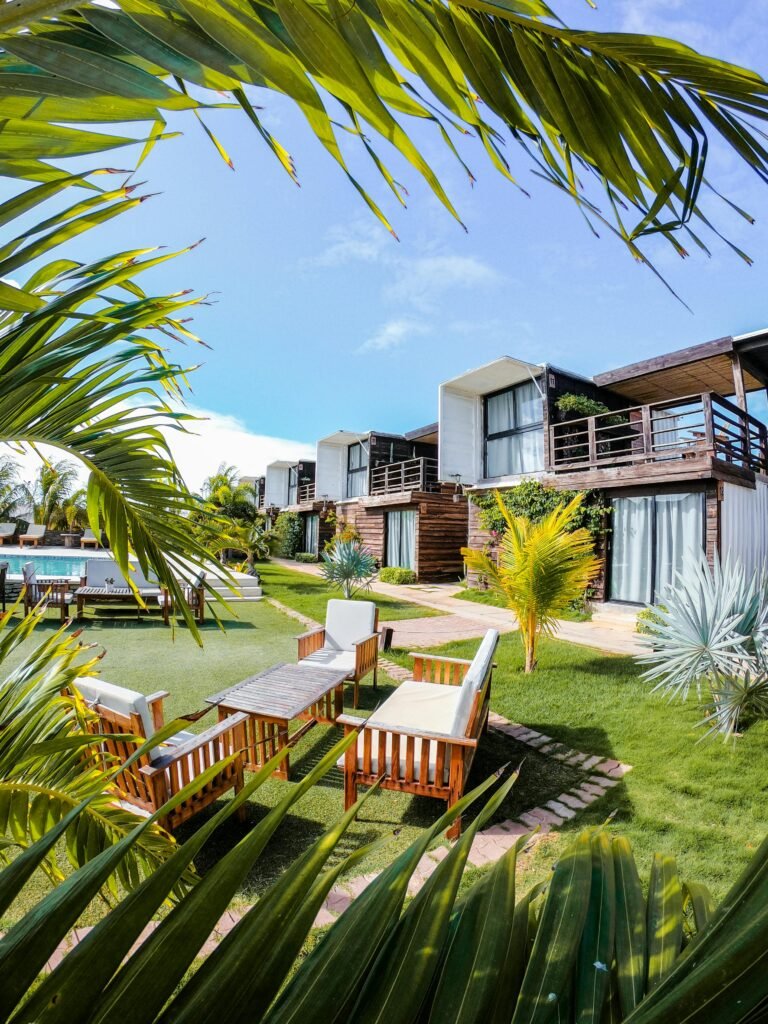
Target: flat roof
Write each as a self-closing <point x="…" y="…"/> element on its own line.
<point x="421" y="432"/>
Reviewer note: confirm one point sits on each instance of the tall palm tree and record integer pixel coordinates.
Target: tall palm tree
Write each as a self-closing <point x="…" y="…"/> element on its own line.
<point x="48" y="494"/>
<point x="542" y="567"/>
<point x="11" y="493"/>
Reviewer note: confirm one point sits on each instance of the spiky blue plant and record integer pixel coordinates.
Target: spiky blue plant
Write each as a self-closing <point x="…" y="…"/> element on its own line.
<point x="348" y="566"/>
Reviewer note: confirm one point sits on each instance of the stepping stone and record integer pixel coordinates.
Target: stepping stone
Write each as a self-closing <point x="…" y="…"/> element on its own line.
<point x="356" y="886"/>
<point x="539" y="741"/>
<point x="590" y="762"/>
<point x="596" y="791"/>
<point x="560" y="809"/>
<point x="323" y="919"/>
<point x="601" y="780"/>
<point x="620" y="771"/>
<point x="572" y="801"/>
<point x="337" y="902"/>
<point x="439" y="853"/>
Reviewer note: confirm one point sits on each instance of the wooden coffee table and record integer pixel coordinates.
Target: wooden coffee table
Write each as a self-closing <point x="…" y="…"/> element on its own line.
<point x="276" y="697"/>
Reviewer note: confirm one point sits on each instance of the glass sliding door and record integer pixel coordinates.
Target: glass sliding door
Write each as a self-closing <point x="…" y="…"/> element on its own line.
<point x="311" y="533"/>
<point x="401" y="538"/>
<point x="653" y="537"/>
<point x="631" y="561"/>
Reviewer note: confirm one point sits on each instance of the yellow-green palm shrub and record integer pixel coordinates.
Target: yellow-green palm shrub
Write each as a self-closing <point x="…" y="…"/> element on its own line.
<point x="49" y="766"/>
<point x="541" y="568"/>
<point x="588" y="946"/>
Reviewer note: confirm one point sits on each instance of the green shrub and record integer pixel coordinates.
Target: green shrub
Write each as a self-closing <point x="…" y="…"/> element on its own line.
<point x="648" y="618"/>
<point x="395" y="574"/>
<point x="306" y="556"/>
<point x="534" y="501"/>
<point x="287" y="534"/>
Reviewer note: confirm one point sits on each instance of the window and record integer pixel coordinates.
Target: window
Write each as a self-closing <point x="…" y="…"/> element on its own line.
<point x="652" y="539"/>
<point x="311" y="533"/>
<point x="401" y="538"/>
<point x="357" y="471"/>
<point x="293" y="486"/>
<point x="514" y="431"/>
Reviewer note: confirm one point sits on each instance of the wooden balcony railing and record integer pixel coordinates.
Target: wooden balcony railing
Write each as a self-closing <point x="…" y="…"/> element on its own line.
<point x="411" y="475"/>
<point x="259" y="501"/>
<point x="306" y="492"/>
<point x="705" y="424"/>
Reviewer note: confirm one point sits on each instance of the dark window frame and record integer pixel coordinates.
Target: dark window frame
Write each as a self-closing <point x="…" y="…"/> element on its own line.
<point x="293" y="488"/>
<point x="353" y="470"/>
<point x="539" y="425"/>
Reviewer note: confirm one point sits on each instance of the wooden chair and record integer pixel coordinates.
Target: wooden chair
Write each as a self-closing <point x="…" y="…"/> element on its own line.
<point x="423" y="738"/>
<point x="55" y="594"/>
<point x="349" y="640"/>
<point x="34" y="535"/>
<point x="156" y="777"/>
<point x="194" y="595"/>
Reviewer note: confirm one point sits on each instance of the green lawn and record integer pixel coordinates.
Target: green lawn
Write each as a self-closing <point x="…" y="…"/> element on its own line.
<point x="478" y="596"/>
<point x="310" y="594"/>
<point x="705" y="802"/>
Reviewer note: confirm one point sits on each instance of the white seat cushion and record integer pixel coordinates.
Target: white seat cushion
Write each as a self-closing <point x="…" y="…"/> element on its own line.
<point x="347" y="622"/>
<point x="98" y="570"/>
<point x="421" y="707"/>
<point x="119" y="699"/>
<point x="328" y="657"/>
<point x="473" y="681"/>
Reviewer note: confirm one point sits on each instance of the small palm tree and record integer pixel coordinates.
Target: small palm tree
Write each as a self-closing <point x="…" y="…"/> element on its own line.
<point x="253" y="539"/>
<point x="542" y="568"/>
<point x="348" y="566"/>
<point x="50" y="492"/>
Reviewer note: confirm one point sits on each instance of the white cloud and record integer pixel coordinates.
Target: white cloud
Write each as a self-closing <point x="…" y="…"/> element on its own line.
<point x="220" y="438"/>
<point x="421" y="282"/>
<point x="360" y="241"/>
<point x="393" y="334"/>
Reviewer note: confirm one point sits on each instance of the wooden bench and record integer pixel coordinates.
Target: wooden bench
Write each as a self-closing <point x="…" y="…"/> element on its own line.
<point x="423" y="738"/>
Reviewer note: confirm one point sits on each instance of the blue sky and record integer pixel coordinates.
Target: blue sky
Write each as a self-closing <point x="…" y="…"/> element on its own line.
<point x="323" y="321"/>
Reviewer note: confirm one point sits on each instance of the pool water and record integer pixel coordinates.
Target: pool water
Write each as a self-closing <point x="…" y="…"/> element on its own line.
<point x="46" y="565"/>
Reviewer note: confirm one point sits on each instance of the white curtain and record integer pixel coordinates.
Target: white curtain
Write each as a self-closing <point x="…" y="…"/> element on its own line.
<point x="679" y="532"/>
<point x="501" y="412"/>
<point x="631" y="550"/>
<point x="401" y="538"/>
<point x="516" y="454"/>
<point x="743" y="532"/>
<point x="311" y="533"/>
<point x="523" y="451"/>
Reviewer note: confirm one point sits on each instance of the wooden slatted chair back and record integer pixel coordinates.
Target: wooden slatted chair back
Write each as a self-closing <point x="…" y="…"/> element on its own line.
<point x="131" y="782"/>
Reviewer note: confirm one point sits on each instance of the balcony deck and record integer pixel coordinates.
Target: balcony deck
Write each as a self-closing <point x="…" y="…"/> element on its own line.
<point x="403" y="477"/>
<point x="696" y="437"/>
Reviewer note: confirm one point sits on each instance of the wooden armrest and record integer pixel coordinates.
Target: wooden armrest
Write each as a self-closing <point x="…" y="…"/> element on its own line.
<point x="366" y="639"/>
<point x="437" y="657"/>
<point x="159" y="695"/>
<point x="155" y="705"/>
<point x="311" y="632"/>
<point x="201" y="740"/>
<point x="351" y="720"/>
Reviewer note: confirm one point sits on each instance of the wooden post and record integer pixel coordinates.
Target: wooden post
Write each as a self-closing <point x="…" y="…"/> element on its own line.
<point x="738" y="381"/>
<point x="647" y="422"/>
<point x="592" y="440"/>
<point x="709" y="428"/>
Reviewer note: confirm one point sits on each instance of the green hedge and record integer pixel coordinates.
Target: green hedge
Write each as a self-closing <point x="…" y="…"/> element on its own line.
<point x="287" y="534"/>
<point x="648" y="618"/>
<point x="306" y="556"/>
<point x="394" y="574"/>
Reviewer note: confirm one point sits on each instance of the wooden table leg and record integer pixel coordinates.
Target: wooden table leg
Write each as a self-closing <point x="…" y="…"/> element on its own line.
<point x="338" y="701"/>
<point x="80" y="607"/>
<point x="283" y="740"/>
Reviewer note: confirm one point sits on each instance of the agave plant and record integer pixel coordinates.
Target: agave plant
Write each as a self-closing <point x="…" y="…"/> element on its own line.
<point x="349" y="567"/>
<point x="541" y="568"/>
<point x="586" y="946"/>
<point x="49" y="767"/>
<point x="711" y="635"/>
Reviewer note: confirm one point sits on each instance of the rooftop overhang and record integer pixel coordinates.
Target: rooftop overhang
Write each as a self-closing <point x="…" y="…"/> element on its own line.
<point x="501" y="373"/>
<point x="694" y="370"/>
<point x="344" y="437"/>
<point x="427" y="434"/>
<point x="281" y="464"/>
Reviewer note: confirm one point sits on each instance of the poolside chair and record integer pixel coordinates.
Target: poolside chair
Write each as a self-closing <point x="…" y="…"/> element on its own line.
<point x="349" y="640"/>
<point x="89" y="538"/>
<point x="55" y="594"/>
<point x="164" y="771"/>
<point x="34" y="535"/>
<point x="194" y="595"/>
<point x="7" y="532"/>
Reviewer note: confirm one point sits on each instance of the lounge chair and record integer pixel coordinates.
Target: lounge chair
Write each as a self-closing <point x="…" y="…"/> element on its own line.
<point x="34" y="535"/>
<point x="89" y="539"/>
<point x="423" y="738"/>
<point x="55" y="595"/>
<point x="7" y="532"/>
<point x="95" y="589"/>
<point x="349" y="640"/>
<point x="156" y="777"/>
<point x="194" y="595"/>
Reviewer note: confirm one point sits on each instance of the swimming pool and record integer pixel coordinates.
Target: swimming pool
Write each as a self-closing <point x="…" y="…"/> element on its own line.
<point x="46" y="565"/>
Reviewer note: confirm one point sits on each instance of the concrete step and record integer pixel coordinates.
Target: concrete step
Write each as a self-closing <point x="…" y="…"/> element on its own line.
<point x="612" y="613"/>
<point x="248" y="588"/>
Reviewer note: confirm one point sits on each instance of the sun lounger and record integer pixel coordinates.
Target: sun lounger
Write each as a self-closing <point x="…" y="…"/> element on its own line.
<point x="7" y="532"/>
<point x="89" y="539"/>
<point x="33" y="535"/>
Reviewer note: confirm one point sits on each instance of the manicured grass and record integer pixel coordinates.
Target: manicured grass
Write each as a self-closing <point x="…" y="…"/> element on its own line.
<point x="478" y="596"/>
<point x="309" y="595"/>
<point x="704" y="801"/>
